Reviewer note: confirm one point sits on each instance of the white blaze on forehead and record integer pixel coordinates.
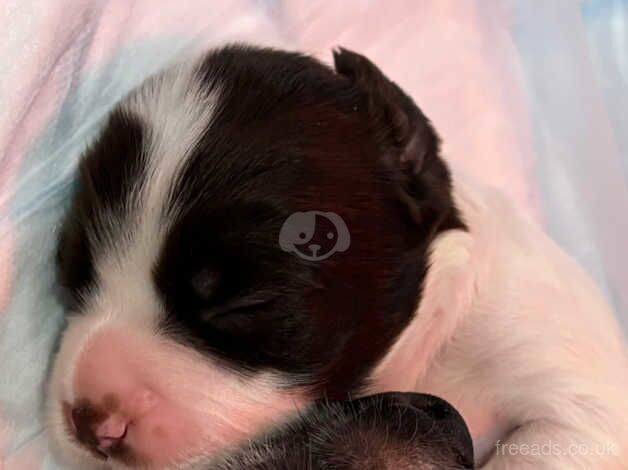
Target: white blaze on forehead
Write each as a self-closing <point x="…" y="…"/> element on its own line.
<point x="175" y="109"/>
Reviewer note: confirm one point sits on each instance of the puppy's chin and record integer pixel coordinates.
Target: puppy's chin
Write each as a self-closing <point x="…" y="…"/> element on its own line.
<point x="171" y="403"/>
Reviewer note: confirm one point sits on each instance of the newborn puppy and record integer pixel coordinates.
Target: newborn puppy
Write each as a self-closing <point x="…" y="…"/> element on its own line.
<point x="393" y="431"/>
<point x="202" y="310"/>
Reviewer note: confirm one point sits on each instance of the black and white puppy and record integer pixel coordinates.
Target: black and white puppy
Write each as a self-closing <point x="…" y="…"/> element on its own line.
<point x="207" y="302"/>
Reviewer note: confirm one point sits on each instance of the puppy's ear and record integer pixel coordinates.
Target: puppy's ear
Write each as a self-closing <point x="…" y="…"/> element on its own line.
<point x="409" y="145"/>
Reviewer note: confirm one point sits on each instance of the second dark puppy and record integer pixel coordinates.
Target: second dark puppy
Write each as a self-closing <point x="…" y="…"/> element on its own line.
<point x="390" y="431"/>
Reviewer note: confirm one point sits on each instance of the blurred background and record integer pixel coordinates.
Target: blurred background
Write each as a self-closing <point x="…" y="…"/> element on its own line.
<point x="530" y="96"/>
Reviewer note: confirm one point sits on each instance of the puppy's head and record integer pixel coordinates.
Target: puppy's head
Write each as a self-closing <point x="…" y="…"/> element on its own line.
<point x="389" y="431"/>
<point x="191" y="324"/>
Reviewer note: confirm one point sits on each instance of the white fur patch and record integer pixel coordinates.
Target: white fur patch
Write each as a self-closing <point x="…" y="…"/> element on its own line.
<point x="514" y="334"/>
<point x="178" y="110"/>
<point x="175" y="110"/>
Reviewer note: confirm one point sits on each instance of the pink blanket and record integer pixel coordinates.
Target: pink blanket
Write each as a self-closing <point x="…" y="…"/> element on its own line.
<point x="64" y="64"/>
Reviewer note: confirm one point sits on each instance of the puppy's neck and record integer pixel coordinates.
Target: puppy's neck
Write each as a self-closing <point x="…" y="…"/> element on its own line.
<point x="458" y="263"/>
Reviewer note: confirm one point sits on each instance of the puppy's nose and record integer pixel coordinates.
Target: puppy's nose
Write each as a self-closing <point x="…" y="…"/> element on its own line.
<point x="443" y="421"/>
<point x="98" y="431"/>
<point x="111" y="432"/>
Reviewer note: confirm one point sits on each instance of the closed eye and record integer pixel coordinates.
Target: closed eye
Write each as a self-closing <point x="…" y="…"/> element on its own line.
<point x="243" y="303"/>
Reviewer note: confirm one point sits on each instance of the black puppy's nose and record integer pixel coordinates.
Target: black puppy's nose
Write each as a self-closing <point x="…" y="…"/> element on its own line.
<point x="442" y="419"/>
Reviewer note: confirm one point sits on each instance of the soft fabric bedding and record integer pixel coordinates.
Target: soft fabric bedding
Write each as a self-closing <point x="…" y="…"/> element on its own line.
<point x="529" y="97"/>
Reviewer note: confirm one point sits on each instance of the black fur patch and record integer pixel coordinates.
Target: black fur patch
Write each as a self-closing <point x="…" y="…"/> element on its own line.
<point x="108" y="176"/>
